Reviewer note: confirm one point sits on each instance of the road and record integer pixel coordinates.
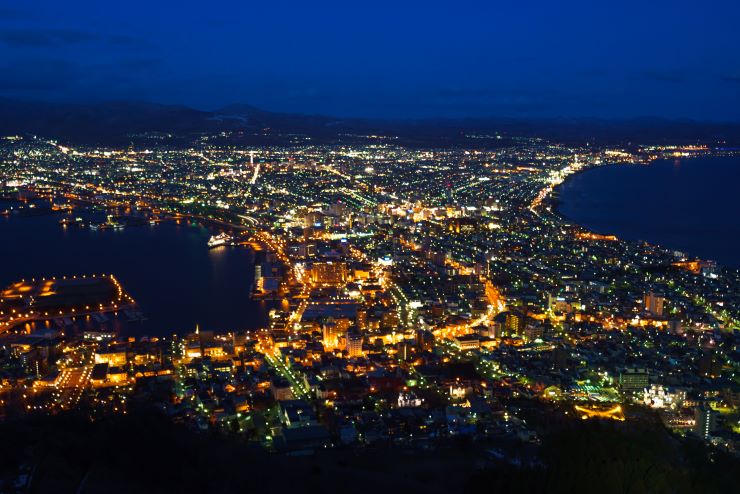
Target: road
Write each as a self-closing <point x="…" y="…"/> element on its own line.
<point x="297" y="386"/>
<point x="72" y="385"/>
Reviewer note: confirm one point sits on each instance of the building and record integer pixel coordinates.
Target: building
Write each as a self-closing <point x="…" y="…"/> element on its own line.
<point x="514" y="322"/>
<point x="330" y="332"/>
<point x="467" y="342"/>
<point x="634" y="380"/>
<point x="658" y="396"/>
<point x="354" y="344"/>
<point x="533" y="331"/>
<point x="115" y="357"/>
<point x="425" y="339"/>
<point x="328" y="273"/>
<point x="99" y="374"/>
<point x="296" y="413"/>
<point x="462" y="225"/>
<point x="705" y="420"/>
<point x="409" y="400"/>
<point x="485" y="331"/>
<point x="361" y="319"/>
<point x="281" y="389"/>
<point x="653" y="304"/>
<point x="257" y="271"/>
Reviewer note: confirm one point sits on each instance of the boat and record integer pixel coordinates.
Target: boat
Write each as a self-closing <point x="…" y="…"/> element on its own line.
<point x="220" y="239"/>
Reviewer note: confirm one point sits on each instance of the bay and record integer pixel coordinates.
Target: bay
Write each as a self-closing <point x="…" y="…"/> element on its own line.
<point x="176" y="280"/>
<point x="689" y="205"/>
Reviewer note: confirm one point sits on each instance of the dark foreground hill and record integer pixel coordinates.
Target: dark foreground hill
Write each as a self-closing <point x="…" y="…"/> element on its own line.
<point x="145" y="453"/>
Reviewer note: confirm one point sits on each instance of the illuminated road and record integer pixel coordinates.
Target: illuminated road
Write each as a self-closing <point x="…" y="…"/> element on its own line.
<point x="296" y="385"/>
<point x="73" y="382"/>
<point x="256" y="174"/>
<point x="72" y="385"/>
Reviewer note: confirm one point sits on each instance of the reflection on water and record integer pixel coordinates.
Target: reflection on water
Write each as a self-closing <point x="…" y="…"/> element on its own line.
<point x="686" y="205"/>
<point x="167" y="268"/>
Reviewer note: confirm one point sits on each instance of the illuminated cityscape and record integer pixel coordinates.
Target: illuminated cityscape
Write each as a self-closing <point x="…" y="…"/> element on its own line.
<point x="422" y="295"/>
<point x="480" y="248"/>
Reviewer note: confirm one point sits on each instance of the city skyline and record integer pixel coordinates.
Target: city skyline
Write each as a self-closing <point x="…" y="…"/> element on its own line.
<point x="377" y="247"/>
<point x="308" y="302"/>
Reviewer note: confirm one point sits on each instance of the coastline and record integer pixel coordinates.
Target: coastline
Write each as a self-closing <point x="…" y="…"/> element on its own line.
<point x="554" y="201"/>
<point x="555" y="205"/>
<point x="223" y="277"/>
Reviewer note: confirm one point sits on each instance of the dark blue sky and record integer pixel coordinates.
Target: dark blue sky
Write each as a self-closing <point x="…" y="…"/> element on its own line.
<point x="676" y="59"/>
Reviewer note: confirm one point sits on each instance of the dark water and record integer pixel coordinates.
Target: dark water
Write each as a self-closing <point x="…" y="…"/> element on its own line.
<point x="690" y="205"/>
<point x="168" y="269"/>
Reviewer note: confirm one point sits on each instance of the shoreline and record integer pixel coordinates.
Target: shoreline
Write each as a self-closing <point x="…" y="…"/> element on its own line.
<point x="147" y="300"/>
<point x="554" y="201"/>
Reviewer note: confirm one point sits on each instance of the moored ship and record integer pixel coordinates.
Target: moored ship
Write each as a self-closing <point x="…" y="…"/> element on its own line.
<point x="220" y="239"/>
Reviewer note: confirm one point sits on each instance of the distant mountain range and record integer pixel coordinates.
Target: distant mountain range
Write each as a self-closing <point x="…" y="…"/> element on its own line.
<point x="120" y="122"/>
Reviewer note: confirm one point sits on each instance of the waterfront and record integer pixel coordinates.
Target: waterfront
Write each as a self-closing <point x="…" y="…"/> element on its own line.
<point x="168" y="269"/>
<point x="445" y="301"/>
<point x="688" y="205"/>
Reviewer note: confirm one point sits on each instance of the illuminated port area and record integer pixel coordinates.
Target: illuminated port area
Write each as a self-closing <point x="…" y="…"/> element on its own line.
<point x="58" y="299"/>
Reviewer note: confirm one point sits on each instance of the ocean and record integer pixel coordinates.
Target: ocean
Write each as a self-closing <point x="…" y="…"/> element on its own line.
<point x="689" y="205"/>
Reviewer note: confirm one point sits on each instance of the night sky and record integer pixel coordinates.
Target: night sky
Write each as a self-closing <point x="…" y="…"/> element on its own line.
<point x="675" y="59"/>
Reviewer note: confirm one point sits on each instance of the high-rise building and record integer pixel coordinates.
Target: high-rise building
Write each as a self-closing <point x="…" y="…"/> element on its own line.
<point x="634" y="380"/>
<point x="425" y="339"/>
<point x="361" y="319"/>
<point x="257" y="271"/>
<point x="354" y="344"/>
<point x="654" y="303"/>
<point x="330" y="333"/>
<point x="515" y="322"/>
<point x="705" y="421"/>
